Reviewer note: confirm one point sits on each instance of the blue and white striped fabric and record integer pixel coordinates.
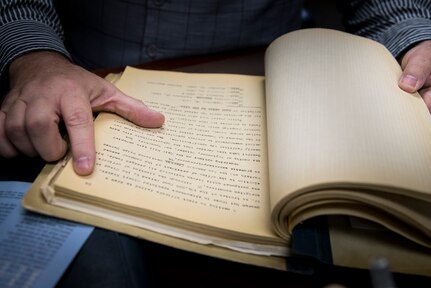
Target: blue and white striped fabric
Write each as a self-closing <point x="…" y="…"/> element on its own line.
<point x="395" y="23"/>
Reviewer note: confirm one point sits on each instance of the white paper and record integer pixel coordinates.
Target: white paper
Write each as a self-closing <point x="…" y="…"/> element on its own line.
<point x="35" y="250"/>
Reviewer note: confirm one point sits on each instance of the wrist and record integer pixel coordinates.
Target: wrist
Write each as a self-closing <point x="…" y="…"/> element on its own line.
<point x="27" y="65"/>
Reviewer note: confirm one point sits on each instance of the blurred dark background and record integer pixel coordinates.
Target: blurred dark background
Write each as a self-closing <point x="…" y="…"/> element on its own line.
<point x="324" y="13"/>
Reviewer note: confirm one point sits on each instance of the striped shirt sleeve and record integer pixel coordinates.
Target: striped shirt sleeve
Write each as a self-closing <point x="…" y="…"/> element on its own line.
<point x="28" y="25"/>
<point x="397" y="24"/>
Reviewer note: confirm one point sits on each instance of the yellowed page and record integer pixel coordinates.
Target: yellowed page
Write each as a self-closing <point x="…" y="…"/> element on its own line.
<point x="336" y="115"/>
<point x="34" y="201"/>
<point x="355" y="243"/>
<point x="206" y="165"/>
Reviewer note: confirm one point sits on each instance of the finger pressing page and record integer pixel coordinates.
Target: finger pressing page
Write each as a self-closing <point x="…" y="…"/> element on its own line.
<point x="78" y="119"/>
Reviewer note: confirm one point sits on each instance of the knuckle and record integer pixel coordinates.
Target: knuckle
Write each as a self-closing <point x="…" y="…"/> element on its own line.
<point x="7" y="150"/>
<point x="8" y="153"/>
<point x="37" y="123"/>
<point x="56" y="85"/>
<point x="9" y="99"/>
<point x="78" y="118"/>
<point x="31" y="87"/>
<point x="14" y="130"/>
<point x="67" y="83"/>
<point x="107" y="97"/>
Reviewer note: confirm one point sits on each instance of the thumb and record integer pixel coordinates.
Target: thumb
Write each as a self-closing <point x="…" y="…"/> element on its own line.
<point x="141" y="114"/>
<point x="416" y="65"/>
<point x="131" y="109"/>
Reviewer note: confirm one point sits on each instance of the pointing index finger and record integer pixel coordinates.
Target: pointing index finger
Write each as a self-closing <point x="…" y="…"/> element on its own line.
<point x="78" y="119"/>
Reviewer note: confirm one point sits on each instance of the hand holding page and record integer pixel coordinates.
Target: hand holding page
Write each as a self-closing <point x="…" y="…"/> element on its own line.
<point x="242" y="160"/>
<point x="343" y="138"/>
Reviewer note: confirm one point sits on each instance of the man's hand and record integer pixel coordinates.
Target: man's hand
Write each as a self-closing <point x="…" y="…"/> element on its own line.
<point x="45" y="89"/>
<point x="416" y="76"/>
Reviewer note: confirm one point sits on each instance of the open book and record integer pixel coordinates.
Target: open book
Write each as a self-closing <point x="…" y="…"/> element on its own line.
<point x="242" y="160"/>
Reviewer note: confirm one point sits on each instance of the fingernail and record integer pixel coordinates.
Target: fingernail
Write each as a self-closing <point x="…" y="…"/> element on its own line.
<point x="83" y="165"/>
<point x="410" y="81"/>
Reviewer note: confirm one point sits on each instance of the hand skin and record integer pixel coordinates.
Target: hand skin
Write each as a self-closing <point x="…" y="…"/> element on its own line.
<point x="46" y="88"/>
<point x="416" y="76"/>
